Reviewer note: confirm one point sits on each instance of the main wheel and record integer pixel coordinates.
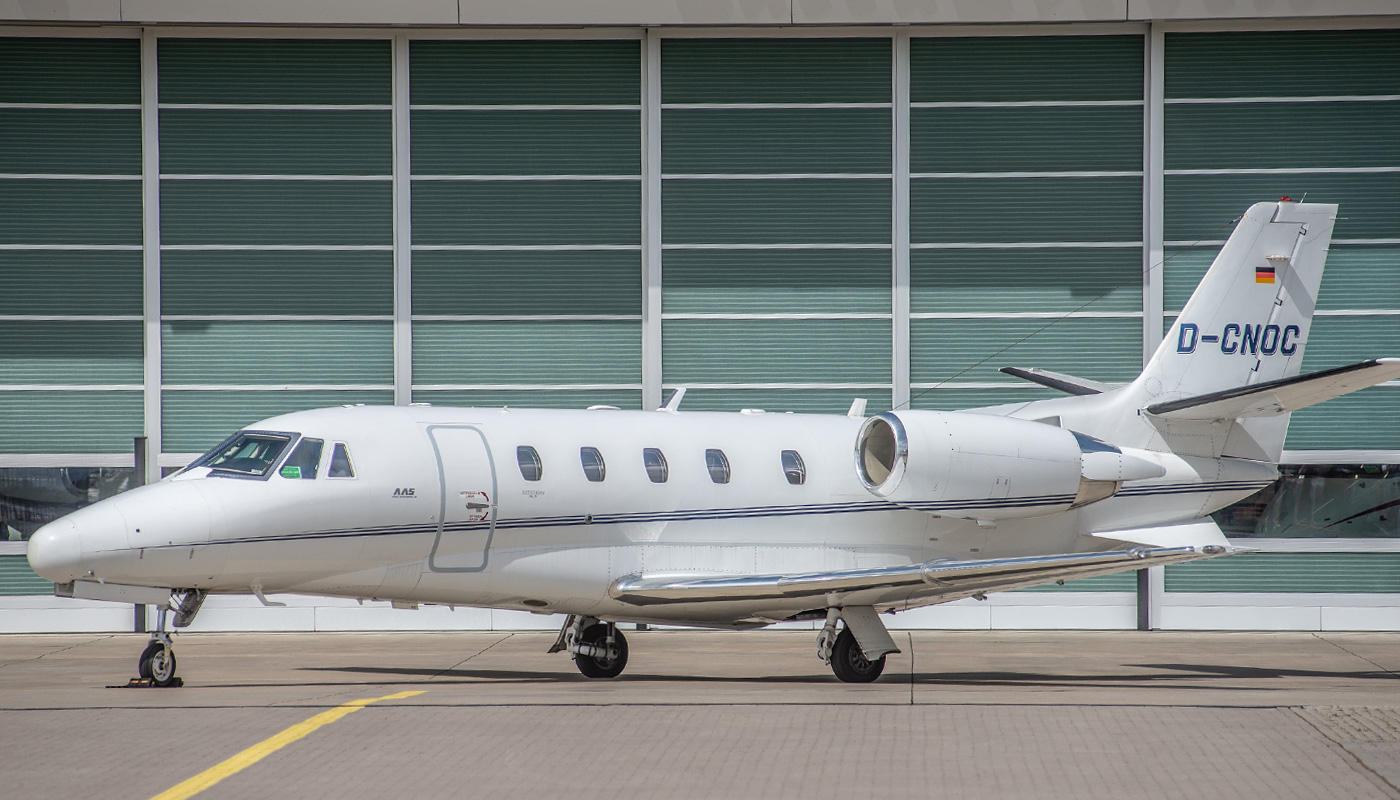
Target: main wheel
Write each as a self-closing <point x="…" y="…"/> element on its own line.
<point x="849" y="663"/>
<point x="157" y="664"/>
<point x="604" y="667"/>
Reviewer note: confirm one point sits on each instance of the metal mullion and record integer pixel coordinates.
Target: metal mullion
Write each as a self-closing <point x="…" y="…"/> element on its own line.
<point x="900" y="291"/>
<point x="1153" y="191"/>
<point x="152" y="407"/>
<point x="403" y="225"/>
<point x="652" y="367"/>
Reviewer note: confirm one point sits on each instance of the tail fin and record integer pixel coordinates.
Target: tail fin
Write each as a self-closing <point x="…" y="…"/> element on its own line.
<point x="1247" y="323"/>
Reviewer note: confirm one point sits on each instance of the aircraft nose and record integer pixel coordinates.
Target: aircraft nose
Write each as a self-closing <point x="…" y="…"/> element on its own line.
<point x="56" y="551"/>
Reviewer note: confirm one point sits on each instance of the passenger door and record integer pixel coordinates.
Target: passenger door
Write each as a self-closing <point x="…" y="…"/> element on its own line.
<point x="467" y="499"/>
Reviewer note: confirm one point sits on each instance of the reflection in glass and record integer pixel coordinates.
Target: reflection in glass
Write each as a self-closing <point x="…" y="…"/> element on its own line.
<point x="793" y="468"/>
<point x="531" y="468"/>
<point x="655" y="462"/>
<point x="593" y="467"/>
<point x="1320" y="501"/>
<point x="245" y="453"/>
<point x="31" y="497"/>
<point x="718" y="465"/>
<point x="304" y="460"/>
<point x="341" y="467"/>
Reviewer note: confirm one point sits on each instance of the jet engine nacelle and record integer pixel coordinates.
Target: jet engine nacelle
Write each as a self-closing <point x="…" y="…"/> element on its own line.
<point x="975" y="466"/>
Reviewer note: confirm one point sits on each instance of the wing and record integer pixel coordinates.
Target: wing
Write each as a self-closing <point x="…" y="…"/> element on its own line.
<point x="933" y="581"/>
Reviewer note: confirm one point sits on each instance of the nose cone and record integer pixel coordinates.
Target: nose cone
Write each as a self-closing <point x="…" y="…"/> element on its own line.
<point x="56" y="551"/>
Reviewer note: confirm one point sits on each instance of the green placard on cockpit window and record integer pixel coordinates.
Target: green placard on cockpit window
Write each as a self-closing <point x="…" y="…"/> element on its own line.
<point x="291" y="472"/>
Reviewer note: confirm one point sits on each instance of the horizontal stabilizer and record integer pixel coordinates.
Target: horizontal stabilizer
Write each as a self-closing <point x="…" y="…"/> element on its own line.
<point x="1058" y="381"/>
<point x="932" y="581"/>
<point x="1280" y="396"/>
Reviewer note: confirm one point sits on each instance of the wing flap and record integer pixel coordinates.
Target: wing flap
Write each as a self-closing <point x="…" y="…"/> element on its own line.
<point x="1280" y="396"/>
<point x="947" y="580"/>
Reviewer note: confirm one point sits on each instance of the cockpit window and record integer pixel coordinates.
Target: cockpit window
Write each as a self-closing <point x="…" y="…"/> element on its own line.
<point x="531" y="468"/>
<point x="341" y="466"/>
<point x="793" y="468"/>
<point x="593" y="466"/>
<point x="718" y="465"/>
<point x="246" y="453"/>
<point x="304" y="461"/>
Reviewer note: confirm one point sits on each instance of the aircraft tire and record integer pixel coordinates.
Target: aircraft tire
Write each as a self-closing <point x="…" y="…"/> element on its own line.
<point x="143" y="665"/>
<point x="849" y="662"/>
<point x="596" y="667"/>
<point x="157" y="664"/>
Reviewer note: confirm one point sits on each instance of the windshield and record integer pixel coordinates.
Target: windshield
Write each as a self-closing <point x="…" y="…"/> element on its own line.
<point x="246" y="453"/>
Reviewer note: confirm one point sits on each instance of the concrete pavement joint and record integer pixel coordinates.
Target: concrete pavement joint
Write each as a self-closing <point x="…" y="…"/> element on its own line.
<point x="55" y="652"/>
<point x="1351" y="758"/>
<point x="468" y="658"/>
<point x="1356" y="655"/>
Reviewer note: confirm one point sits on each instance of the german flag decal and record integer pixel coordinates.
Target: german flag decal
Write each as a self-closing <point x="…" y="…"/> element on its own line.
<point x="1263" y="274"/>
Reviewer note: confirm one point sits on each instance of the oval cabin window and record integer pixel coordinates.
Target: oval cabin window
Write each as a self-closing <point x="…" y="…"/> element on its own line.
<point x="655" y="463"/>
<point x="531" y="468"/>
<point x="793" y="468"/>
<point x="718" y="465"/>
<point x="593" y="467"/>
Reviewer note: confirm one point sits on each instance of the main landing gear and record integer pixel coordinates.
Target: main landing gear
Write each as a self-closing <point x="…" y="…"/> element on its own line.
<point x="599" y="648"/>
<point x="157" y="663"/>
<point x="857" y="653"/>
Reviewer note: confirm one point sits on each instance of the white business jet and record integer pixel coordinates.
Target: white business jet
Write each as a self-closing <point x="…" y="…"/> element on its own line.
<point x="739" y="520"/>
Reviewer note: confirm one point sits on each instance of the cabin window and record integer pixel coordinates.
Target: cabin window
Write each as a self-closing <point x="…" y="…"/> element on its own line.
<point x="250" y="454"/>
<point x="531" y="468"/>
<point x="655" y="463"/>
<point x="793" y="468"/>
<point x="718" y="465"/>
<point x="341" y="466"/>
<point x="304" y="461"/>
<point x="593" y="467"/>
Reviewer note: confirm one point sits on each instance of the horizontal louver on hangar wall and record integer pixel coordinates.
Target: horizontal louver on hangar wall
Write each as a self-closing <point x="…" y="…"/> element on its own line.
<point x="1025" y="207"/>
<point x="526" y="162"/>
<point x="776" y="183"/>
<point x="70" y="240"/>
<point x="1239" y="131"/>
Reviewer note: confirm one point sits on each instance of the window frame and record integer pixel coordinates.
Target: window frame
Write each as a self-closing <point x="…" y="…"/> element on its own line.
<point x="601" y="464"/>
<point x="800" y="471"/>
<point x="664" y="468"/>
<point x="534" y="454"/>
<point x="292" y="439"/>
<point x="349" y="459"/>
<point x="316" y="466"/>
<point x="723" y="464"/>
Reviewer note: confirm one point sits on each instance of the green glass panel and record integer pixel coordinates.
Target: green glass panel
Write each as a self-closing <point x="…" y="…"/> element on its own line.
<point x="526" y="72"/>
<point x="972" y="350"/>
<point x="776" y="281"/>
<point x="777" y="401"/>
<point x="1365" y="420"/>
<point x="1117" y="582"/>
<point x="258" y="142"/>
<point x="284" y="71"/>
<point x="527" y="212"/>
<point x="776" y="351"/>
<point x="1360" y="276"/>
<point x="775" y="140"/>
<point x="77" y="141"/>
<point x="1319" y="501"/>
<point x="530" y="352"/>
<point x="986" y="68"/>
<point x="530" y="282"/>
<point x="628" y="400"/>
<point x="775" y="70"/>
<point x="1246" y="64"/>
<point x="277" y="282"/>
<point x="16" y="578"/>
<point x="1363" y="573"/>
<point x="70" y="212"/>
<point x="70" y="352"/>
<point x="69" y="422"/>
<point x="1184" y="267"/>
<point x="1025" y="139"/>
<point x="1026" y="279"/>
<point x="70" y="282"/>
<point x="276" y="212"/>
<point x="70" y="70"/>
<point x="1247" y="135"/>
<point x="527" y="142"/>
<point x="196" y="421"/>
<point x="1026" y="210"/>
<point x="1207" y="206"/>
<point x="944" y="399"/>
<point x="203" y="352"/>
<point x="1338" y="341"/>
<point x="776" y="211"/>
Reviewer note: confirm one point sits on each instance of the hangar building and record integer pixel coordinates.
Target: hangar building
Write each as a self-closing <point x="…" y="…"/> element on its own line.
<point x="214" y="212"/>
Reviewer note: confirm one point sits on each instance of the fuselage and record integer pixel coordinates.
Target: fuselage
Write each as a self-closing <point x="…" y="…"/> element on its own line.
<point x="543" y="510"/>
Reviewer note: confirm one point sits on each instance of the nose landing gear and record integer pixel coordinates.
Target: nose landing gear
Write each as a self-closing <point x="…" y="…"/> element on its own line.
<point x="157" y="663"/>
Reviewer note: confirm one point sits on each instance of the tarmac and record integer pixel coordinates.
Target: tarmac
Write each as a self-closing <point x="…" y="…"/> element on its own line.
<point x="706" y="714"/>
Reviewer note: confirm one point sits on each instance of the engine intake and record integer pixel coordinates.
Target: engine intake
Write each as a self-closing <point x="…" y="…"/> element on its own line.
<point x="975" y="466"/>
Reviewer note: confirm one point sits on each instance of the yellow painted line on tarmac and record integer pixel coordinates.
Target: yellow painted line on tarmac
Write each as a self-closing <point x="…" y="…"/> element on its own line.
<point x="267" y="747"/>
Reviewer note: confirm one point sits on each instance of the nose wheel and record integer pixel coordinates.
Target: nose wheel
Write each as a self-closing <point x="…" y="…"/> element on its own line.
<point x="157" y="663"/>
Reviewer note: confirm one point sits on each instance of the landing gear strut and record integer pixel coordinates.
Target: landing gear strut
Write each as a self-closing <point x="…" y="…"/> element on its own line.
<point x="599" y="648"/>
<point x="157" y="662"/>
<point x="857" y="653"/>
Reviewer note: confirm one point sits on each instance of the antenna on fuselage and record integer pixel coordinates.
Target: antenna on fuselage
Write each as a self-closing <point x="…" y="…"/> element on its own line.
<point x="857" y="408"/>
<point x="673" y="403"/>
